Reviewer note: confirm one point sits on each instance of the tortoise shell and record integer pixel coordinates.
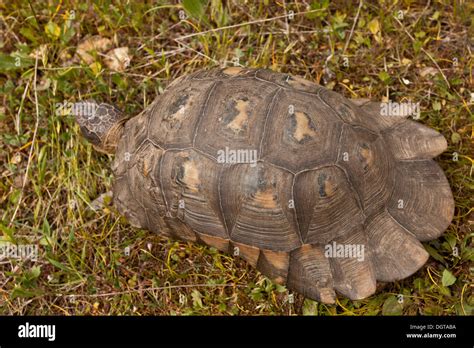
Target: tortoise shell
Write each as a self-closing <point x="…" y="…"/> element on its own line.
<point x="316" y="191"/>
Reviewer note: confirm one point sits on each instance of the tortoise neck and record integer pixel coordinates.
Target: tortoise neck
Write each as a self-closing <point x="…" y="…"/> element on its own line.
<point x="111" y="139"/>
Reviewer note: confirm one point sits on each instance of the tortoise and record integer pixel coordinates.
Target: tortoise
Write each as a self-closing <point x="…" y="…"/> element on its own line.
<point x="318" y="192"/>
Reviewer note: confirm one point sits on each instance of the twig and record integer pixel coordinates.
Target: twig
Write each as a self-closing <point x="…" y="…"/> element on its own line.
<point x="195" y="51"/>
<point x="361" y="2"/>
<point x="386" y="70"/>
<point x="17" y="120"/>
<point x="286" y="21"/>
<point x="10" y="30"/>
<point x="153" y="289"/>
<point x="246" y="23"/>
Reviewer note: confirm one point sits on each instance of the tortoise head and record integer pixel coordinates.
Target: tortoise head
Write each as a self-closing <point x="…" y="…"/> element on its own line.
<point x="102" y="124"/>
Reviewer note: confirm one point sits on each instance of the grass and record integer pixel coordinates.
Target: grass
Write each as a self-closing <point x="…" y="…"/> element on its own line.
<point x="49" y="175"/>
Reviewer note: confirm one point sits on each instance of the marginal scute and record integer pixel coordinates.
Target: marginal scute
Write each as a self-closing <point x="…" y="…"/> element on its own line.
<point x="247" y="252"/>
<point x="288" y="81"/>
<point x="373" y="117"/>
<point x="128" y="197"/>
<point x="422" y="201"/>
<point x="126" y="204"/>
<point x="361" y="113"/>
<point x="413" y="141"/>
<point x="134" y="135"/>
<point x="233" y="72"/>
<point x="146" y="189"/>
<point x="343" y="107"/>
<point x="274" y="264"/>
<point x="302" y="84"/>
<point x="310" y="273"/>
<point x="139" y="198"/>
<point x="396" y="253"/>
<point x="353" y="273"/>
<point x="216" y="242"/>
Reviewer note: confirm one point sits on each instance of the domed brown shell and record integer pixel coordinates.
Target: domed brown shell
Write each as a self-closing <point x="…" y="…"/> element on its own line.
<point x="328" y="173"/>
